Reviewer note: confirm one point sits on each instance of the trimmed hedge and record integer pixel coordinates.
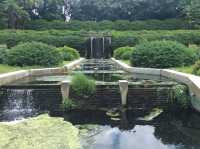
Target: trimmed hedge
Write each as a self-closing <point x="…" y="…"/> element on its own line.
<point x="121" y="25"/>
<point x="68" y="53"/>
<point x="123" y="52"/>
<point x="162" y="54"/>
<point x="78" y="39"/>
<point x="55" y="38"/>
<point x="3" y="53"/>
<point x="33" y="53"/>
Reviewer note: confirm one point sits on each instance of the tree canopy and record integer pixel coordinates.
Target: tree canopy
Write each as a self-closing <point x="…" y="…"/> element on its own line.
<point x="14" y="13"/>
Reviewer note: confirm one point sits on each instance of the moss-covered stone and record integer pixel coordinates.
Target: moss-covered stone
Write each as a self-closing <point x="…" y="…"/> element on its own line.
<point x="42" y="132"/>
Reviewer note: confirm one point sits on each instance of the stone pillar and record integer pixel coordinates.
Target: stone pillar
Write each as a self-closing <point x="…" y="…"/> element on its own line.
<point x="123" y="85"/>
<point x="65" y="85"/>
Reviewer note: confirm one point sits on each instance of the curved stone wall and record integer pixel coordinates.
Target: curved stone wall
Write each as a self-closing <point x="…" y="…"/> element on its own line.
<point x="192" y="81"/>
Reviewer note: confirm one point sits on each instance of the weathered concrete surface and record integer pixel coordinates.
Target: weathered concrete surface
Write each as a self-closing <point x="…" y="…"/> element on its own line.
<point x="10" y="77"/>
<point x="123" y="86"/>
<point x="65" y="87"/>
<point x="136" y="70"/>
<point x="13" y="76"/>
<point x="192" y="81"/>
<point x="46" y="71"/>
<point x="73" y="64"/>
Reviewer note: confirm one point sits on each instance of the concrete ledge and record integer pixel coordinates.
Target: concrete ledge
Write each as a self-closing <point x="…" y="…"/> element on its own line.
<point x="127" y="68"/>
<point x="192" y="81"/>
<point x="46" y="71"/>
<point x="13" y="76"/>
<point x="73" y="64"/>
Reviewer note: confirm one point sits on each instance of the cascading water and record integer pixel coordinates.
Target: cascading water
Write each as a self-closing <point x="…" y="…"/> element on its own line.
<point x="18" y="104"/>
<point x="99" y="47"/>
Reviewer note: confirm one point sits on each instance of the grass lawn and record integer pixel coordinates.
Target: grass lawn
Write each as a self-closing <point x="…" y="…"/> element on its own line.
<point x="5" y="68"/>
<point x="187" y="69"/>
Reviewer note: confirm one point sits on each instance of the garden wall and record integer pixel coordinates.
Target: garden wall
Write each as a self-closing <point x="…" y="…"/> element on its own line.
<point x="193" y="82"/>
<point x="140" y="97"/>
<point x="13" y="76"/>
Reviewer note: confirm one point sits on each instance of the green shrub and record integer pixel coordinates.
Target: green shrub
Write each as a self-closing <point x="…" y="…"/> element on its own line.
<point x="68" y="104"/>
<point x="78" y="39"/>
<point x="33" y="53"/>
<point x="83" y="86"/>
<point x="191" y="56"/>
<point x="68" y="53"/>
<point x="162" y="54"/>
<point x="3" y="53"/>
<point x="196" y="68"/>
<point x="123" y="53"/>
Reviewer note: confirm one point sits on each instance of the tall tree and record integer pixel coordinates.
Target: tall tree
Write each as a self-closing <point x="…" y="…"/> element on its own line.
<point x="125" y="9"/>
<point x="16" y="15"/>
<point x="192" y="10"/>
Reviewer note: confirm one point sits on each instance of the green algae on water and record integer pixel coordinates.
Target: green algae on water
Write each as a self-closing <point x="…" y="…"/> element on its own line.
<point x="42" y="132"/>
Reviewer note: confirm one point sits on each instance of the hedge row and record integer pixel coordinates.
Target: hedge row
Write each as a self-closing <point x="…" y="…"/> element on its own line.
<point x="121" y="25"/>
<point x="77" y="39"/>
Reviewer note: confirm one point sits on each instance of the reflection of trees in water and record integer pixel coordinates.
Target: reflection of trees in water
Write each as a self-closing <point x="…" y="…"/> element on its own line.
<point x="179" y="130"/>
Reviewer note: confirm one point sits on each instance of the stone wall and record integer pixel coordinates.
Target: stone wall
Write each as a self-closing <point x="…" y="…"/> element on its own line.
<point x="192" y="81"/>
<point x="14" y="76"/>
<point x="139" y="97"/>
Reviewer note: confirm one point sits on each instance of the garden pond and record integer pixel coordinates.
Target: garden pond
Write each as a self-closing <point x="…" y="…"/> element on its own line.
<point x="28" y="121"/>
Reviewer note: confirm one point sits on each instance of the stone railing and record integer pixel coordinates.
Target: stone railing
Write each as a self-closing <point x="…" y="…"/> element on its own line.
<point x="13" y="76"/>
<point x="192" y="81"/>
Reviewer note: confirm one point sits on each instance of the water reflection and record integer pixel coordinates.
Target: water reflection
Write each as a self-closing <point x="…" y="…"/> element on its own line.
<point x="140" y="137"/>
<point x="178" y="130"/>
<point x="113" y="138"/>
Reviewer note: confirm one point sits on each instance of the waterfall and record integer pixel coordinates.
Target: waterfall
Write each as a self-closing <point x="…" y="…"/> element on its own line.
<point x="91" y="46"/>
<point x="99" y="47"/>
<point x="103" y="47"/>
<point x="18" y="104"/>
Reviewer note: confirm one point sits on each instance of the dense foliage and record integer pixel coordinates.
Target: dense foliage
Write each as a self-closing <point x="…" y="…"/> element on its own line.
<point x="162" y="54"/>
<point x="192" y="11"/>
<point x="68" y="53"/>
<point x="121" y="25"/>
<point x="83" y="86"/>
<point x="123" y="53"/>
<point x="77" y="39"/>
<point x="126" y="9"/>
<point x="181" y="96"/>
<point x="3" y="53"/>
<point x="15" y="13"/>
<point x="196" y="68"/>
<point x="33" y="53"/>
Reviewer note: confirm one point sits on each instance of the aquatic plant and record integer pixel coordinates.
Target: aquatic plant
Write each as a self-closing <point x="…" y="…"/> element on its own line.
<point x="68" y="104"/>
<point x="181" y="96"/>
<point x="83" y="86"/>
